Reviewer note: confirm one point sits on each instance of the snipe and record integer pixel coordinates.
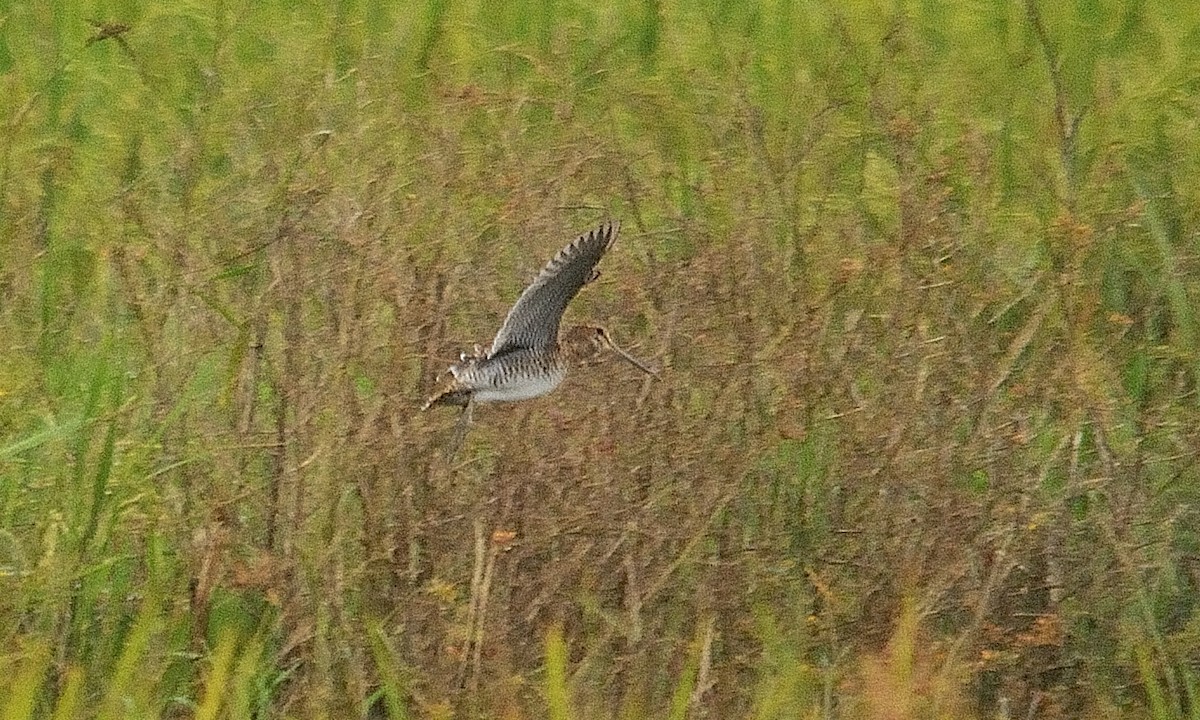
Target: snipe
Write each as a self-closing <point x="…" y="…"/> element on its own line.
<point x="528" y="357"/>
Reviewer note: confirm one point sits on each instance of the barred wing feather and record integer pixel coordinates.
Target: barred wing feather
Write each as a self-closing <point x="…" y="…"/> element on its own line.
<point x="533" y="320"/>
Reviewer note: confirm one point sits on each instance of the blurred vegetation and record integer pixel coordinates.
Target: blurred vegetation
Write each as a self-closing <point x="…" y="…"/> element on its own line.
<point x="922" y="279"/>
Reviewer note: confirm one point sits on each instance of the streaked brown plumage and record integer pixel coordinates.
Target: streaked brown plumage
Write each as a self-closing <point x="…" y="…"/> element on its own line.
<point x="527" y="357"/>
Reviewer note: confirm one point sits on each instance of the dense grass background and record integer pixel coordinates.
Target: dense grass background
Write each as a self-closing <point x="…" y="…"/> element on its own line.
<point x="922" y="279"/>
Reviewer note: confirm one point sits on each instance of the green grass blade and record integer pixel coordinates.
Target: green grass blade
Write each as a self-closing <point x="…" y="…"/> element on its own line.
<point x="1163" y="227"/>
<point x="1160" y="709"/>
<point x="51" y="432"/>
<point x="216" y="685"/>
<point x="391" y="677"/>
<point x="129" y="682"/>
<point x="27" y="682"/>
<point x="555" y="687"/>
<point x="71" y="696"/>
<point x="684" y="687"/>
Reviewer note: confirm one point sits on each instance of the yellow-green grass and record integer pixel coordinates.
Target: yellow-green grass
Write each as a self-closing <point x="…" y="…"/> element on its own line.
<point x="921" y="279"/>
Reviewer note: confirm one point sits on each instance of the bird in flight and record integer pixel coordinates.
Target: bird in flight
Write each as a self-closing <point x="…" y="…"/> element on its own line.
<point x="529" y="357"/>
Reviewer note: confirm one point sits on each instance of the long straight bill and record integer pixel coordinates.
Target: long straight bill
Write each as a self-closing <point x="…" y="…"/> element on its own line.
<point x="632" y="360"/>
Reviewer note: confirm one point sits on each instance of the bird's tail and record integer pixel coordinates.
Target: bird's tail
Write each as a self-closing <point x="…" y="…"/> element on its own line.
<point x="448" y="392"/>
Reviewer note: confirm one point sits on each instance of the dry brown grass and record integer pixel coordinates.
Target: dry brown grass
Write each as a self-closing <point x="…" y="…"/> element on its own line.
<point x="923" y="443"/>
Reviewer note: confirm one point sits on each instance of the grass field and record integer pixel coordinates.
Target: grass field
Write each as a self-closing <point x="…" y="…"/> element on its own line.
<point x="921" y="279"/>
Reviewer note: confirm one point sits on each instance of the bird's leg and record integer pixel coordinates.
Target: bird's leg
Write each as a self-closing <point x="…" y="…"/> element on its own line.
<point x="460" y="429"/>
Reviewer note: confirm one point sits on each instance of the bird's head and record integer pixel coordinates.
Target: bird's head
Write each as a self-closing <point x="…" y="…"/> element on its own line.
<point x="585" y="343"/>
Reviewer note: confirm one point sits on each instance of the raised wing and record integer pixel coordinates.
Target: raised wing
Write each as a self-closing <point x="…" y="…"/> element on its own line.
<point x="533" y="320"/>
